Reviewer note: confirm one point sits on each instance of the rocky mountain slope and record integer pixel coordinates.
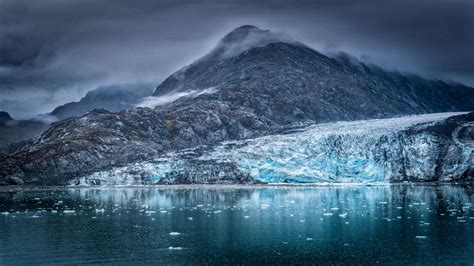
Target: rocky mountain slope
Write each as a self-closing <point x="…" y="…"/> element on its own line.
<point x="287" y="82"/>
<point x="253" y="83"/>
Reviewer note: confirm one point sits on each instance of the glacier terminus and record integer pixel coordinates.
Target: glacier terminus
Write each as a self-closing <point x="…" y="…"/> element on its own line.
<point x="431" y="147"/>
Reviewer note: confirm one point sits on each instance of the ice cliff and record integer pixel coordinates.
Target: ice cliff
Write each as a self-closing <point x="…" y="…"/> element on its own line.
<point x="430" y="147"/>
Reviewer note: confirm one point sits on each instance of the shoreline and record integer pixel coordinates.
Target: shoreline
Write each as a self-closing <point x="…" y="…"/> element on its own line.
<point x="236" y="186"/>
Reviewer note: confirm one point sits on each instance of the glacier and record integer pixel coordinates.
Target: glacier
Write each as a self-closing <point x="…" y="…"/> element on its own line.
<point x="364" y="151"/>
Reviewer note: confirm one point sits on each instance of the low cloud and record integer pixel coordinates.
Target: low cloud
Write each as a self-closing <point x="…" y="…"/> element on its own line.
<point x="154" y="101"/>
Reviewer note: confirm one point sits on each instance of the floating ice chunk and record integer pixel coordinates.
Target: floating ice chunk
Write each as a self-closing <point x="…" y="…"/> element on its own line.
<point x="175" y="234"/>
<point x="246" y="216"/>
<point x="190" y="218"/>
<point x="335" y="209"/>
<point x="421" y="237"/>
<point x="328" y="214"/>
<point x="150" y="212"/>
<point x="5" y="213"/>
<point x="69" y="211"/>
<point x="343" y="215"/>
<point x="100" y="210"/>
<point x="309" y="239"/>
<point x="175" y="248"/>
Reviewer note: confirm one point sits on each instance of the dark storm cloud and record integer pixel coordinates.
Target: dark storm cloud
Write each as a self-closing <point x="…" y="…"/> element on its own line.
<point x="53" y="51"/>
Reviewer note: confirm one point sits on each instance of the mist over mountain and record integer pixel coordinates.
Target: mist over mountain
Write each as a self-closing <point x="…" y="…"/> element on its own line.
<point x="253" y="83"/>
<point x="301" y="80"/>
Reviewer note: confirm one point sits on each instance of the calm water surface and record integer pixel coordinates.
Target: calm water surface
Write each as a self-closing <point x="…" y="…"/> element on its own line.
<point x="364" y="225"/>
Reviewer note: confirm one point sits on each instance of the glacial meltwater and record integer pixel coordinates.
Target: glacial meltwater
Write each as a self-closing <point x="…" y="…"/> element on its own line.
<point x="235" y="224"/>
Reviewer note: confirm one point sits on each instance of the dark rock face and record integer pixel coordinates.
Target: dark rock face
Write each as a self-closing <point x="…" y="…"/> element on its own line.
<point x="260" y="86"/>
<point x="210" y="172"/>
<point x="451" y="154"/>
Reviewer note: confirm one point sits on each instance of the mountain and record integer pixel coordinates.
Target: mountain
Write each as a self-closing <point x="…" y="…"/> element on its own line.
<point x="4" y="118"/>
<point x="12" y="130"/>
<point x="112" y="98"/>
<point x="285" y="82"/>
<point x="254" y="83"/>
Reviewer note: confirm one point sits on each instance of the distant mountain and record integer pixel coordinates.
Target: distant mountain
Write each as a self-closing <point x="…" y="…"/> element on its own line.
<point x="253" y="83"/>
<point x="112" y="98"/>
<point x="12" y="131"/>
<point x="4" y="118"/>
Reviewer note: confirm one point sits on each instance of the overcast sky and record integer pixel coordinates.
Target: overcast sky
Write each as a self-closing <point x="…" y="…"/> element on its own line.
<point x="54" y="51"/>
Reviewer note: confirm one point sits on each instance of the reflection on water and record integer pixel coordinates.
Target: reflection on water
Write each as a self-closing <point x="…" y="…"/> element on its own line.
<point x="416" y="224"/>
